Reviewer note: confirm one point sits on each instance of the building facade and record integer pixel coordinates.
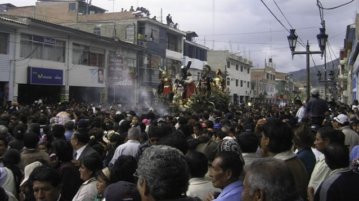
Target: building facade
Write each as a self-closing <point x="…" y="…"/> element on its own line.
<point x="166" y="47"/>
<point x="41" y="60"/>
<point x="237" y="73"/>
<point x="264" y="83"/>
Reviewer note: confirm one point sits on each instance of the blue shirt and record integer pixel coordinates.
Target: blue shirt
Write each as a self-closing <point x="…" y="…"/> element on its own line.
<point x="232" y="192"/>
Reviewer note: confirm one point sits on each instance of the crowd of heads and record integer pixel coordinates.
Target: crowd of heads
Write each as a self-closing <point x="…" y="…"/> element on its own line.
<point x="172" y="148"/>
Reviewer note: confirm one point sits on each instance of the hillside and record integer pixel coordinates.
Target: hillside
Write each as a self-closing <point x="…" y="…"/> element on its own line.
<point x="301" y="75"/>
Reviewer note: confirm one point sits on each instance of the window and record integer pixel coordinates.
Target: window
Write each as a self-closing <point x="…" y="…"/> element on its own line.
<point x="247" y="84"/>
<point x="248" y="70"/>
<point x="72" y="7"/>
<point x="237" y="67"/>
<point x="228" y="64"/>
<point x="241" y="68"/>
<point x="4" y="43"/>
<point x="228" y="82"/>
<point x="236" y="83"/>
<point x="89" y="56"/>
<point x="40" y="47"/>
<point x="241" y="83"/>
<point x="173" y="44"/>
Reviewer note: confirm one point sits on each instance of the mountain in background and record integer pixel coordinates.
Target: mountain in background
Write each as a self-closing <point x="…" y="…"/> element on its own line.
<point x="301" y="75"/>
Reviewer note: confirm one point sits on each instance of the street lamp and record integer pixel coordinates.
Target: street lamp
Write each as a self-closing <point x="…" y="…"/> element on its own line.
<point x="322" y="40"/>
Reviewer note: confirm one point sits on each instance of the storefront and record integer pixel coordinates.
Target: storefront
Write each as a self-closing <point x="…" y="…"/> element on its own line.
<point x="42" y="83"/>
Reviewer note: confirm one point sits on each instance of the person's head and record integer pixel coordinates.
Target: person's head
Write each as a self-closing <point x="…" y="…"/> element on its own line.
<point x="162" y="173"/>
<point x="31" y="140"/>
<point x="63" y="150"/>
<point x="277" y="137"/>
<point x="225" y="169"/>
<point x="175" y="139"/>
<point x="248" y="142"/>
<point x="123" y="169"/>
<point x="197" y="129"/>
<point x="336" y="156"/>
<point x="327" y="135"/>
<point x="19" y="131"/>
<point x="134" y="133"/>
<point x="298" y="102"/>
<point x="69" y="125"/>
<point x="314" y="92"/>
<point x="46" y="183"/>
<point x="340" y="121"/>
<point x="58" y="131"/>
<point x="135" y="120"/>
<point x="122" y="190"/>
<point x="303" y="137"/>
<point x="156" y="132"/>
<point x="11" y="157"/>
<point x="197" y="164"/>
<point x="269" y="179"/>
<point x="79" y="138"/>
<point x="3" y="145"/>
<point x="103" y="180"/>
<point x="89" y="166"/>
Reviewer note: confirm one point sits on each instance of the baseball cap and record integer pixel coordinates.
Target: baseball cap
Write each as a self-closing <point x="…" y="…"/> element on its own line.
<point x="342" y="118"/>
<point x="314" y="91"/>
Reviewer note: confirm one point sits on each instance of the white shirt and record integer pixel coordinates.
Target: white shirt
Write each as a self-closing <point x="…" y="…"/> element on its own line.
<point x="300" y="113"/>
<point x="79" y="152"/>
<point x="129" y="148"/>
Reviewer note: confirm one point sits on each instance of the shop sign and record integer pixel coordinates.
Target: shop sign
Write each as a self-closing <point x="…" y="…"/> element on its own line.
<point x="45" y="76"/>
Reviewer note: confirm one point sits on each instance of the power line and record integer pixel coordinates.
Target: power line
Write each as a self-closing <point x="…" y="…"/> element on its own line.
<point x="258" y="32"/>
<point x="335" y="7"/>
<point x="280" y="22"/>
<point x="280" y="10"/>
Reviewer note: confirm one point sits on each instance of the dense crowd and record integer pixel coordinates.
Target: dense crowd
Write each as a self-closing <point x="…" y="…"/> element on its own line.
<point x="84" y="152"/>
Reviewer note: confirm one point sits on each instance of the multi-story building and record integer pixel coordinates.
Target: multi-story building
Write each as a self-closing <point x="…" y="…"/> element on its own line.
<point x="165" y="46"/>
<point x="195" y="53"/>
<point x="347" y="79"/>
<point x="237" y="73"/>
<point x="264" y="83"/>
<point x="41" y="60"/>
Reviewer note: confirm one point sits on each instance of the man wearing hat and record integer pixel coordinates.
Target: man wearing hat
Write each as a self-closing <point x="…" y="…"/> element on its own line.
<point x="316" y="108"/>
<point x="341" y="122"/>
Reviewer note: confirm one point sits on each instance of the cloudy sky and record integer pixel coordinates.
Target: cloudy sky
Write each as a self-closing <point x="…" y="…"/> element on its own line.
<point x="246" y="27"/>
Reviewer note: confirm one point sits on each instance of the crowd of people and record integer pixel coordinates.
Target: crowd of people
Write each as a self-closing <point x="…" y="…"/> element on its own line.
<point x="82" y="152"/>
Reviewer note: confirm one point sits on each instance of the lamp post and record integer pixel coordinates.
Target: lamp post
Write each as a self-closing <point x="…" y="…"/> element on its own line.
<point x="322" y="39"/>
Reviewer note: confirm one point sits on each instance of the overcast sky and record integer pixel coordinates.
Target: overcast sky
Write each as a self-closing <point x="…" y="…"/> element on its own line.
<point x="246" y="27"/>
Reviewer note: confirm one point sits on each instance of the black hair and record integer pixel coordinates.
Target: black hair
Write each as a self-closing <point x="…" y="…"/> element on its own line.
<point x="63" y="150"/>
<point x="336" y="156"/>
<point x="31" y="140"/>
<point x="197" y="163"/>
<point x="331" y="134"/>
<point x="231" y="161"/>
<point x="93" y="163"/>
<point x="280" y="135"/>
<point x="248" y="142"/>
<point x="46" y="174"/>
<point x="82" y="135"/>
<point x="123" y="169"/>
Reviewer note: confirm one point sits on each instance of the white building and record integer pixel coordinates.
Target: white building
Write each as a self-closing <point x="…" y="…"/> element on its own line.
<point x="41" y="60"/>
<point x="237" y="70"/>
